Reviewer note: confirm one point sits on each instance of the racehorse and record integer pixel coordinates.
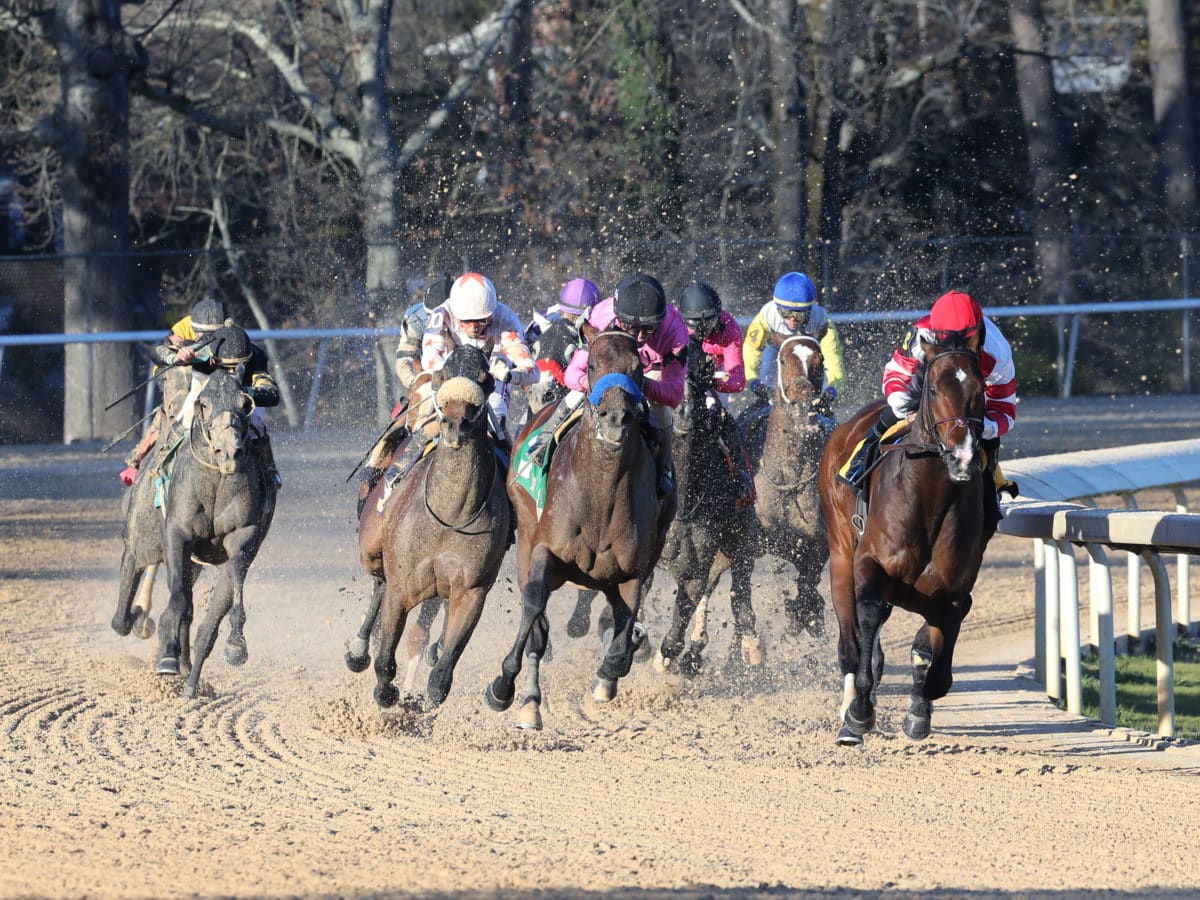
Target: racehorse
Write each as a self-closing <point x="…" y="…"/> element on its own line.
<point x="602" y="525"/>
<point x="922" y="541"/>
<point x="443" y="531"/>
<point x="711" y="533"/>
<point x="142" y="534"/>
<point x="218" y="512"/>
<point x="785" y="482"/>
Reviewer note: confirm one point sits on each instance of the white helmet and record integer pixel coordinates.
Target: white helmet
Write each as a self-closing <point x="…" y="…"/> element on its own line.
<point x="472" y="297"/>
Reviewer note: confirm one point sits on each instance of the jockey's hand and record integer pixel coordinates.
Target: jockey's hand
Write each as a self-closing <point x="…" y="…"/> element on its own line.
<point x="185" y="356"/>
<point x="829" y="395"/>
<point x="501" y="370"/>
<point x="760" y="390"/>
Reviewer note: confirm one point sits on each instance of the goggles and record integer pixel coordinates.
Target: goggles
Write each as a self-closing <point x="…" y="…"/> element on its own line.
<point x="633" y="326"/>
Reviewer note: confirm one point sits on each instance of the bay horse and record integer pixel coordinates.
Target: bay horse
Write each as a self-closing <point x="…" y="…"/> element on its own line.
<point x="602" y="526"/>
<point x="443" y="531"/>
<point x="785" y="480"/>
<point x="711" y="533"/>
<point x="922" y="540"/>
<point x="218" y="511"/>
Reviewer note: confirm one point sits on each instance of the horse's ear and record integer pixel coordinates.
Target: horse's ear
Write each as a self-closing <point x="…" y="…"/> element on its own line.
<point x="203" y="407"/>
<point x="975" y="341"/>
<point x="246" y="403"/>
<point x="588" y="331"/>
<point x="928" y="348"/>
<point x="437" y="378"/>
<point x="488" y="383"/>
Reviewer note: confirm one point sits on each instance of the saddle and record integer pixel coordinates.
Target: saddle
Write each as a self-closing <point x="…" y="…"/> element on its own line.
<point x="531" y="477"/>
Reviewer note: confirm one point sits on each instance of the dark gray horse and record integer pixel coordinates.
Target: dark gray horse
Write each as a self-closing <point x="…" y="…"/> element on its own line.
<point x="711" y="534"/>
<point x="219" y="510"/>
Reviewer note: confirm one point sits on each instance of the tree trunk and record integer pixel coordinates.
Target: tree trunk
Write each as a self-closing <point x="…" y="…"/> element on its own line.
<point x="1172" y="107"/>
<point x="789" y="123"/>
<point x="91" y="133"/>
<point x="1047" y="156"/>
<point x="516" y="85"/>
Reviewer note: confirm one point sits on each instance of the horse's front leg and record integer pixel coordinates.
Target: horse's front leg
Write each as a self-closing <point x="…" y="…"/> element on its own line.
<point x="462" y="615"/>
<point x="534" y="594"/>
<point x="871" y="610"/>
<point x="394" y="612"/>
<point x="744" y="623"/>
<point x="536" y="648"/>
<point x="419" y="645"/>
<point x="224" y="592"/>
<point x="358" y="656"/>
<point x="674" y="640"/>
<point x="177" y="549"/>
<point x="624" y="602"/>
<point x="933" y="660"/>
<point x="806" y="611"/>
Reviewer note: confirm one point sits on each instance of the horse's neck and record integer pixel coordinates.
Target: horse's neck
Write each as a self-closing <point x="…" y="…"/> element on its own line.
<point x="786" y="440"/>
<point x="462" y="478"/>
<point x="929" y="493"/>
<point x="612" y="470"/>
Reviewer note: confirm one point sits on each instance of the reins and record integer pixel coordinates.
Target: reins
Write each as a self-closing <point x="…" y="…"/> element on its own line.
<point x="475" y="515"/>
<point x="917" y="448"/>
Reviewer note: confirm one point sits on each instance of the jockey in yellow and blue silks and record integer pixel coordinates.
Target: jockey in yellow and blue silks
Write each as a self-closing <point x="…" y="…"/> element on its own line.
<point x="792" y="309"/>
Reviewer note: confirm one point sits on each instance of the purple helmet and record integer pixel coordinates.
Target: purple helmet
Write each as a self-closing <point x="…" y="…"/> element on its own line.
<point x="577" y="297"/>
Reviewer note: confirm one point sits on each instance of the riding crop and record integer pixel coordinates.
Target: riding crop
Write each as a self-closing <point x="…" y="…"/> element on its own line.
<point x="403" y="409"/>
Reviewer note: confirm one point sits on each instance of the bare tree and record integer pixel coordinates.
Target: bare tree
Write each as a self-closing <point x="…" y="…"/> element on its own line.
<point x="1172" y="107"/>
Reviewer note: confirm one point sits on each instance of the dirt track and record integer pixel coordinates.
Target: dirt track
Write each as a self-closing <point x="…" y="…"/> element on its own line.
<point x="283" y="778"/>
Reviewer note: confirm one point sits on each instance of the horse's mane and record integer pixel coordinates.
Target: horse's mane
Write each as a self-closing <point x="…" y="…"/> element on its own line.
<point x="222" y="389"/>
<point x="466" y="361"/>
<point x="916" y="387"/>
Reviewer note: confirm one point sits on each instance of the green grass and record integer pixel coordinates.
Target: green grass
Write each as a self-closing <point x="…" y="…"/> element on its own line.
<point x="1137" y="691"/>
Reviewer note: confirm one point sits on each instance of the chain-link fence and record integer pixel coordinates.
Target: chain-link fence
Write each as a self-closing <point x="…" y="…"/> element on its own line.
<point x="350" y="380"/>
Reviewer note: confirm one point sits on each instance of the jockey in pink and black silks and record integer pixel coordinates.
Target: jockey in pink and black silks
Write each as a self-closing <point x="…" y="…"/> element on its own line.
<point x="955" y="315"/>
<point x="639" y="308"/>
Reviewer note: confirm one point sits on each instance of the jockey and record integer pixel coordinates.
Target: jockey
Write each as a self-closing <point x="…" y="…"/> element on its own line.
<point x="558" y="344"/>
<point x="640" y="309"/>
<point x="720" y="339"/>
<point x="954" y="313"/>
<point x="471" y="316"/>
<point x="230" y="349"/>
<point x="206" y="317"/>
<point x="408" y="367"/>
<point x="793" y="309"/>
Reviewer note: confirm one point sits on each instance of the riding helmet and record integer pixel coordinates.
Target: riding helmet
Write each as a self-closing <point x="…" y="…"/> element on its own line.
<point x="577" y="297"/>
<point x="794" y="292"/>
<point x="472" y="298"/>
<point x="955" y="312"/>
<point x="231" y="347"/>
<point x="640" y="301"/>
<point x="437" y="291"/>
<point x="699" y="301"/>
<point x="208" y="315"/>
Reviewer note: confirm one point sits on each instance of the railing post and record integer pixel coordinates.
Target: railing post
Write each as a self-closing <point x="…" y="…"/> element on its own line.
<point x="1039" y="611"/>
<point x="1183" y="618"/>
<point x="315" y="388"/>
<point x="1073" y="343"/>
<point x="1053" y="649"/>
<point x="1164" y="651"/>
<point x="1134" y="628"/>
<point x="1100" y="597"/>
<point x="1069" y="624"/>
<point x="1185" y="252"/>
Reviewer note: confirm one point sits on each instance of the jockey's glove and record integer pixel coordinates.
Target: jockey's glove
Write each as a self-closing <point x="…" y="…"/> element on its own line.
<point x="760" y="390"/>
<point x="829" y="394"/>
<point x="501" y="370"/>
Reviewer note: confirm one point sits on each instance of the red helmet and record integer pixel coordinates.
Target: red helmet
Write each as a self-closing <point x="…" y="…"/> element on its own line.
<point x="955" y="312"/>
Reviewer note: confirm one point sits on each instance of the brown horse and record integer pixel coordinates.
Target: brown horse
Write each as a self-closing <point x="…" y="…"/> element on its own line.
<point x="789" y="516"/>
<point x="922" y="541"/>
<point x="602" y="526"/>
<point x="443" y="530"/>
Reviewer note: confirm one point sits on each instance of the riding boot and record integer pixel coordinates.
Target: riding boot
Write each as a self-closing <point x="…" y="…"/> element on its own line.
<point x="266" y="458"/>
<point x="412" y="452"/>
<point x="541" y="446"/>
<point x="731" y="437"/>
<point x="663" y="462"/>
<point x="368" y="479"/>
<point x="868" y="452"/>
<point x="991" y="497"/>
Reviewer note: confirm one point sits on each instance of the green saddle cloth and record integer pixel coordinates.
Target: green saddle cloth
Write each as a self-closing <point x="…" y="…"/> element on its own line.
<point x="162" y="478"/>
<point x="532" y="477"/>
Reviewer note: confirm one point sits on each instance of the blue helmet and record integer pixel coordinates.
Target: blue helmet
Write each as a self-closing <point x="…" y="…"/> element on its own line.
<point x="795" y="292"/>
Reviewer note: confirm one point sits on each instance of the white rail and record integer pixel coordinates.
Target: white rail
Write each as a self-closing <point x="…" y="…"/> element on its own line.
<point x="1058" y="526"/>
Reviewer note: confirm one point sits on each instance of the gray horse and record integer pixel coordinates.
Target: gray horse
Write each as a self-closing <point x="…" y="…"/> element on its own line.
<point x="218" y="512"/>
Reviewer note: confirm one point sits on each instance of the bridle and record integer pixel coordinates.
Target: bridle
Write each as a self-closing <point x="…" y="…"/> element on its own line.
<point x="783" y="388"/>
<point x="929" y="424"/>
<point x="617" y="377"/>
<point x="225" y="420"/>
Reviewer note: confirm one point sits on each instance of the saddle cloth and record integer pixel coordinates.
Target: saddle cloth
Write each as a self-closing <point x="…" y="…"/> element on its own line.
<point x="162" y="475"/>
<point x="531" y="477"/>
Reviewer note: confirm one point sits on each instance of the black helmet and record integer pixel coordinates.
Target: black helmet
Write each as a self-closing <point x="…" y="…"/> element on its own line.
<point x="640" y="301"/>
<point x="699" y="301"/>
<point x="437" y="292"/>
<point x="208" y="315"/>
<point x="230" y="347"/>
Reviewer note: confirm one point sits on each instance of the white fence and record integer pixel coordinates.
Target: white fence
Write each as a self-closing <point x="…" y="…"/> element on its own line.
<point x="1057" y="526"/>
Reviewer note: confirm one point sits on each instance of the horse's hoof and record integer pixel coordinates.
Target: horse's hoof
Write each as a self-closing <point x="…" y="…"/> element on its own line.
<point x="496" y="696"/>
<point x="357" y="663"/>
<point x="643" y="648"/>
<point x="144" y="626"/>
<point x="530" y="717"/>
<point x="168" y="665"/>
<point x="860" y="726"/>
<point x="848" y="737"/>
<point x="386" y="695"/>
<point x="916" y="728"/>
<point x="235" y="653"/>
<point x="189" y="691"/>
<point x="604" y="689"/>
<point x="662" y="664"/>
<point x="752" y="651"/>
<point x="121" y="625"/>
<point x="433" y="651"/>
<point x="690" y="663"/>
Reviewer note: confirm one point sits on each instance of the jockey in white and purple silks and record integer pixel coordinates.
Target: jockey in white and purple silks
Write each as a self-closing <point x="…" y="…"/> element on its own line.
<point x="640" y="309"/>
